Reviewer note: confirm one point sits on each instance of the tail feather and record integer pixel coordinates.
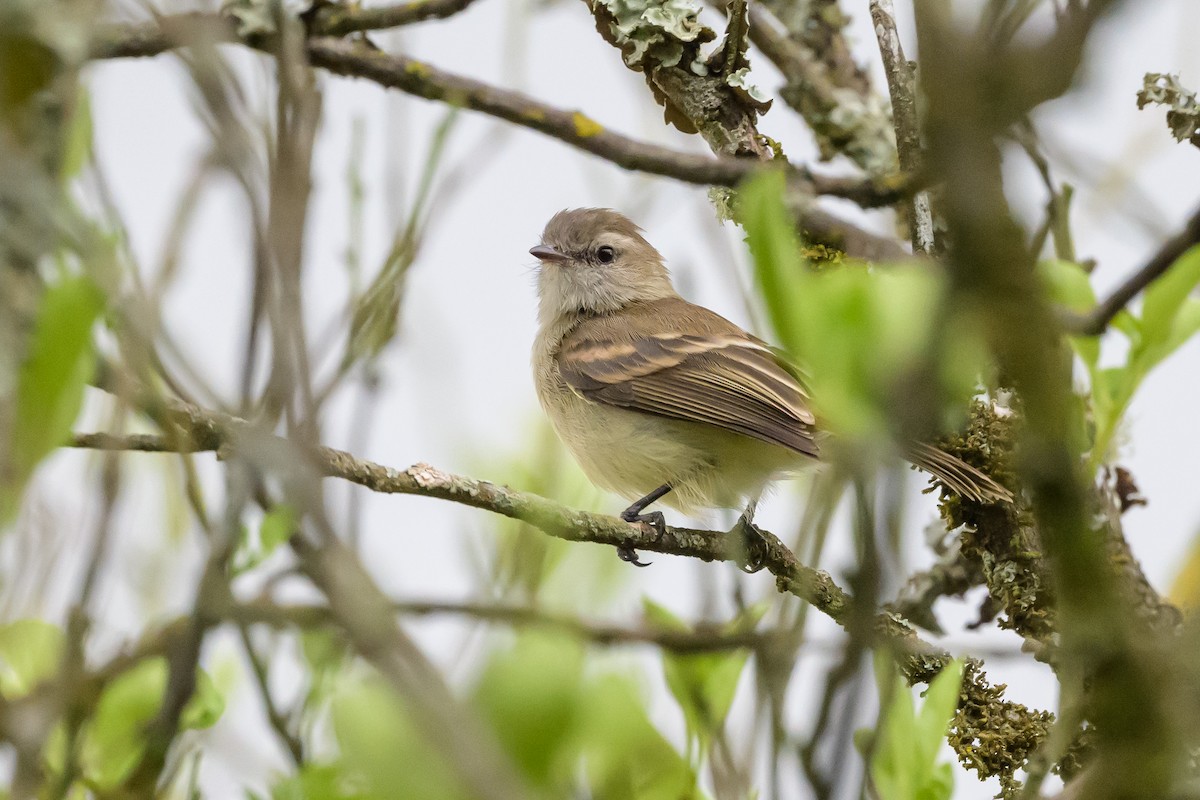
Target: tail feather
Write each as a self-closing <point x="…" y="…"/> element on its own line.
<point x="958" y="476"/>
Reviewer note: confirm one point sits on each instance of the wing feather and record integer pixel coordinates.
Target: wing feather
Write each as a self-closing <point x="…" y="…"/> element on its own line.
<point x="673" y="359"/>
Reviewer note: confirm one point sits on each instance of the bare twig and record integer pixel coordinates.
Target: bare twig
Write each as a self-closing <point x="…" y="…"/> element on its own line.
<point x="167" y="31"/>
<point x="572" y="127"/>
<point x="696" y="641"/>
<point x="275" y="717"/>
<point x="338" y="20"/>
<point x="1094" y="323"/>
<point x="902" y="87"/>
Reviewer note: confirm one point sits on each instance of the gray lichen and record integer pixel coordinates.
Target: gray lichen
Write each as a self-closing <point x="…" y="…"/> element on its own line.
<point x="658" y="32"/>
<point x="1183" y="112"/>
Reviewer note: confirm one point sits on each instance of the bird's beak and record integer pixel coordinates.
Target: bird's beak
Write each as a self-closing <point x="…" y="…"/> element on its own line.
<point x="546" y="253"/>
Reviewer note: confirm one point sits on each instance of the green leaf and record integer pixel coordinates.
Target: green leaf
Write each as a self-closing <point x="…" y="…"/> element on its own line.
<point x="276" y="528"/>
<point x="861" y="333"/>
<point x="318" y="782"/>
<point x="532" y="696"/>
<point x="1067" y="284"/>
<point x="52" y="377"/>
<point x="1185" y="326"/>
<point x="205" y="706"/>
<point x="382" y="748"/>
<point x="905" y="749"/>
<point x="703" y="684"/>
<point x="778" y="265"/>
<point x="115" y="735"/>
<point x="30" y="651"/>
<point x="1164" y="297"/>
<point x="625" y="756"/>
<point x="941" y="701"/>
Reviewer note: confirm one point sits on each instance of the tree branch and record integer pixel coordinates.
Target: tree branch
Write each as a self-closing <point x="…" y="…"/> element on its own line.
<point x="339" y="20"/>
<point x="828" y="90"/>
<point x="1094" y="323"/>
<point x="356" y="60"/>
<point x="694" y="641"/>
<point x="986" y="714"/>
<point x="901" y="81"/>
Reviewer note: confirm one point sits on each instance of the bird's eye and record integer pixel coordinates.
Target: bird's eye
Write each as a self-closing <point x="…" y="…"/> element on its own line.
<point x="606" y="254"/>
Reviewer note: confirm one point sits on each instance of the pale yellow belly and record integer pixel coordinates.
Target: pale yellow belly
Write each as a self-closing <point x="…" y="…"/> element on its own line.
<point x="632" y="453"/>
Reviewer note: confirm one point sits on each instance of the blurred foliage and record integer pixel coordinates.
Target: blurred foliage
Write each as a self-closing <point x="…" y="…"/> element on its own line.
<point x="276" y="527"/>
<point x="703" y="684"/>
<point x="45" y="333"/>
<point x="114" y="732"/>
<point x="53" y="376"/>
<point x="1169" y="318"/>
<point x="903" y="751"/>
<point x="864" y="333"/>
<point x="375" y="312"/>
<point x="546" y="709"/>
<point x="520" y="561"/>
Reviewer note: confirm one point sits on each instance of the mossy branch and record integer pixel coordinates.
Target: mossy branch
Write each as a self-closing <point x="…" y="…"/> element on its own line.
<point x="985" y="714"/>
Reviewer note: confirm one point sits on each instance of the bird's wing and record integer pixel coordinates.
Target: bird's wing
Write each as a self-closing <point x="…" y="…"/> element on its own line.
<point x="674" y="359"/>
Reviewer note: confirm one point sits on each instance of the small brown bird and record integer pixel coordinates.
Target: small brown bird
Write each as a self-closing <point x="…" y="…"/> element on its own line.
<point x="658" y="398"/>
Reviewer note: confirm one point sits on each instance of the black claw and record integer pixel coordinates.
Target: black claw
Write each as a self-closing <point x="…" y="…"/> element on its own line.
<point x="755" y="545"/>
<point x="654" y="519"/>
<point x="630" y="556"/>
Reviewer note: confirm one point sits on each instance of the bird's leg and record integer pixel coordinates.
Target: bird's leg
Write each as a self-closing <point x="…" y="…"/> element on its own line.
<point x="654" y="519"/>
<point x="752" y="539"/>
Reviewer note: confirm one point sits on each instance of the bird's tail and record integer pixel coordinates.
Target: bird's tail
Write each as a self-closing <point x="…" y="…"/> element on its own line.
<point x="958" y="476"/>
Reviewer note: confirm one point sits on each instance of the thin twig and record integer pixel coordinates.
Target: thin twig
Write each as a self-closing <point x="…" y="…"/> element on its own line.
<point x="902" y="86"/>
<point x="1094" y="323"/>
<point x="275" y="717"/>
<point x="695" y="641"/>
<point x="339" y="20"/>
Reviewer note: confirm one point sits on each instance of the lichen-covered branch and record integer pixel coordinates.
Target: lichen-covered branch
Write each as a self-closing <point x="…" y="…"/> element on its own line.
<point x="993" y="718"/>
<point x="352" y="59"/>
<point x="699" y="95"/>
<point x="1183" y="112"/>
<point x="823" y="83"/>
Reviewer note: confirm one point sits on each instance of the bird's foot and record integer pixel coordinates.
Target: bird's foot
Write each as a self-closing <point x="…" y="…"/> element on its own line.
<point x="753" y="543"/>
<point x="655" y="520"/>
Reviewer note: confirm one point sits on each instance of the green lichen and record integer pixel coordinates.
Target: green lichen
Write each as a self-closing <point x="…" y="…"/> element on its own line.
<point x="585" y="126"/>
<point x="821" y="257"/>
<point x="417" y="69"/>
<point x="1001" y="538"/>
<point x="993" y="736"/>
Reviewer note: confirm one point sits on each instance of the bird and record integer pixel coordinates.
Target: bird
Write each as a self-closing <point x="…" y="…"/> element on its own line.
<point x="663" y="400"/>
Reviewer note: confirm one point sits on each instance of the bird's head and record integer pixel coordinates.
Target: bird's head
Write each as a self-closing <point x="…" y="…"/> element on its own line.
<point x="594" y="260"/>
